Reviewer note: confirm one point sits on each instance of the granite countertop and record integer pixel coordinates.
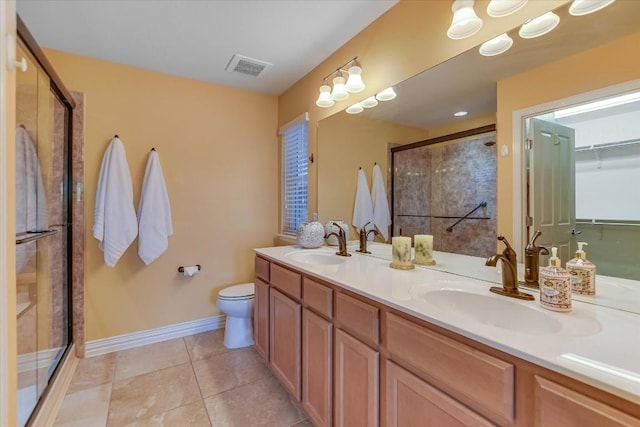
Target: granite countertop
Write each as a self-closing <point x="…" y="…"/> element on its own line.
<point x="594" y="344"/>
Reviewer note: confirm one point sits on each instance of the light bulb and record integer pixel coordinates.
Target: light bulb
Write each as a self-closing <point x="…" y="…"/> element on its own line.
<point x="465" y="22"/>
<point x="539" y="26"/>
<point x="370" y="102"/>
<point x="324" y="100"/>
<point x="355" y="109"/>
<point x="496" y="45"/>
<point x="386" y="95"/>
<point x="339" y="92"/>
<point x="500" y="8"/>
<point x="585" y="7"/>
<point x="354" y="82"/>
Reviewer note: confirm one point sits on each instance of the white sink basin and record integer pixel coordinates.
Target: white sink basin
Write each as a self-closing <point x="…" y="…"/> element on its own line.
<point x="316" y="257"/>
<point x="494" y="311"/>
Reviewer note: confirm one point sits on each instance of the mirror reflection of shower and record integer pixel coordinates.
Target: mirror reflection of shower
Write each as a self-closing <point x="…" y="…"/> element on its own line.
<point x="448" y="189"/>
<point x="605" y="165"/>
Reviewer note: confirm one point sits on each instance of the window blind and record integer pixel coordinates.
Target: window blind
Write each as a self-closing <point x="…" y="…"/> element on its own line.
<point x="294" y="176"/>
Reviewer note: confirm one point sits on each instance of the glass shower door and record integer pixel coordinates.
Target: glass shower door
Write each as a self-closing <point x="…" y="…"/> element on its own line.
<point x="42" y="234"/>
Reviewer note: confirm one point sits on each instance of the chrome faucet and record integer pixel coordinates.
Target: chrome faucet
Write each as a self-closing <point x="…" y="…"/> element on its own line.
<point x="509" y="272"/>
<point x="342" y="240"/>
<point x="364" y="234"/>
<point x="532" y="261"/>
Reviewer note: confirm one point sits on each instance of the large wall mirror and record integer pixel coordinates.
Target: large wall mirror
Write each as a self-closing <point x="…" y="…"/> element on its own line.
<point x="426" y="103"/>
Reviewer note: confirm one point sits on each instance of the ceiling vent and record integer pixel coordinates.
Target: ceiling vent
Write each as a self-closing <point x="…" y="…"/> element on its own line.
<point x="249" y="66"/>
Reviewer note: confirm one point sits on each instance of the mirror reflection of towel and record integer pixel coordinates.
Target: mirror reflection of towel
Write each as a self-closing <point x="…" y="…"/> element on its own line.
<point x="381" y="215"/>
<point x="363" y="209"/>
<point x="31" y="199"/>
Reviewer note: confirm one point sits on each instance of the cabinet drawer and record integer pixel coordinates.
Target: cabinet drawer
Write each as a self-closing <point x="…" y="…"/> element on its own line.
<point x="318" y="297"/>
<point x="262" y="268"/>
<point x="358" y="318"/>
<point x="477" y="378"/>
<point x="557" y="405"/>
<point x="411" y="401"/>
<point x="286" y="280"/>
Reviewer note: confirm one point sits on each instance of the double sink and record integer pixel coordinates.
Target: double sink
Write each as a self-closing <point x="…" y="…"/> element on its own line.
<point x="487" y="309"/>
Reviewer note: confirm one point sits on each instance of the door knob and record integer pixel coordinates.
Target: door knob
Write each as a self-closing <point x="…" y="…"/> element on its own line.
<point x="576" y="232"/>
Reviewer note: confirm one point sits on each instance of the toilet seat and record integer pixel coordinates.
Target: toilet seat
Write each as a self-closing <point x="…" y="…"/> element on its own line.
<point x="244" y="291"/>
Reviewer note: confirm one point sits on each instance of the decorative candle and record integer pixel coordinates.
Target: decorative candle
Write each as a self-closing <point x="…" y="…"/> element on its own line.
<point x="401" y="252"/>
<point x="424" y="249"/>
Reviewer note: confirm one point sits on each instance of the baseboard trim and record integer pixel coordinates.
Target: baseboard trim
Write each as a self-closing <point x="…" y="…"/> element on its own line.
<point x="151" y="336"/>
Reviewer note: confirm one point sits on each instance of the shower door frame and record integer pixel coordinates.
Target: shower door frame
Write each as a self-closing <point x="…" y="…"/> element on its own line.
<point x="60" y="92"/>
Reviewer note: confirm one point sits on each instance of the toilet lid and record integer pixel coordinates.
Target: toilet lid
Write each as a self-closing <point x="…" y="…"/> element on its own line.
<point x="243" y="291"/>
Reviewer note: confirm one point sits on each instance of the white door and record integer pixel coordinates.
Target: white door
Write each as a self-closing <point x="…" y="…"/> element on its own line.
<point x="552" y="181"/>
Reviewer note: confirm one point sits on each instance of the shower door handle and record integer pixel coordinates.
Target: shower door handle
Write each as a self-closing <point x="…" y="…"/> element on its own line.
<point x="32" y="236"/>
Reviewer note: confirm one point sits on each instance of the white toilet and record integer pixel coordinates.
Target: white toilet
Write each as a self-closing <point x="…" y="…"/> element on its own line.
<point x="237" y="303"/>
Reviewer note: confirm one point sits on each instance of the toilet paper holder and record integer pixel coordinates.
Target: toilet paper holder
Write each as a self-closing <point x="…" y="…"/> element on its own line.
<point x="181" y="268"/>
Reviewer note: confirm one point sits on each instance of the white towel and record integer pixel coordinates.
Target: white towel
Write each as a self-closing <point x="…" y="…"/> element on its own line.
<point x="115" y="224"/>
<point x="154" y="212"/>
<point x="381" y="215"/>
<point x="363" y="208"/>
<point x="31" y="198"/>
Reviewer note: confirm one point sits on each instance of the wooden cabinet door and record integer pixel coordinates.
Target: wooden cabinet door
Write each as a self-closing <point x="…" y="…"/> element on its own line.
<point x="556" y="405"/>
<point x="284" y="340"/>
<point x="317" y="339"/>
<point x="355" y="396"/>
<point x="410" y="401"/>
<point x="261" y="318"/>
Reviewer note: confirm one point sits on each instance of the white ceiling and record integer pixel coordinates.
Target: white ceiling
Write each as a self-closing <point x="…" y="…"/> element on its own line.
<point x="197" y="38"/>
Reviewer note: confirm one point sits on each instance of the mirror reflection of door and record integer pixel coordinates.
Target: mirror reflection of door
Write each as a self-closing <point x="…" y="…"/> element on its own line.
<point x="599" y="191"/>
<point x="553" y="186"/>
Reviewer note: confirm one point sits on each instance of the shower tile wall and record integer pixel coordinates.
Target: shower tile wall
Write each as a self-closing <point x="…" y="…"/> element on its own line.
<point x="448" y="180"/>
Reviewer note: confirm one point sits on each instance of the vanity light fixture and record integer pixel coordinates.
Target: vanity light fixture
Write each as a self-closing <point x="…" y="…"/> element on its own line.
<point x="585" y="7"/>
<point x="386" y="95"/>
<point x="339" y="92"/>
<point x="496" y="45"/>
<point x="370" y="102"/>
<point x="539" y="26"/>
<point x="465" y="22"/>
<point x="460" y="113"/>
<point x="355" y="108"/>
<point x="500" y="8"/>
<point x="324" y="100"/>
<point x="354" y="82"/>
<point x="341" y="88"/>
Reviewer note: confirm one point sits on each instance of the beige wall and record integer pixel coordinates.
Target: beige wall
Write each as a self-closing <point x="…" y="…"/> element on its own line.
<point x="218" y="149"/>
<point x="596" y="68"/>
<point x="350" y="142"/>
<point x="409" y="38"/>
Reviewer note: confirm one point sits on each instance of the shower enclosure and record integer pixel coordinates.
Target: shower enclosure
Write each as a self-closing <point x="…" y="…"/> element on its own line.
<point x="43" y="229"/>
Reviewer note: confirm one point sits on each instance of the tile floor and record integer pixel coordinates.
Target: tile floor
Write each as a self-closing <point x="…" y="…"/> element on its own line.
<point x="190" y="381"/>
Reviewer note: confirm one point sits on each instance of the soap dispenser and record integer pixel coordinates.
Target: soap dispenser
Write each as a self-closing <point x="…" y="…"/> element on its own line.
<point x="583" y="273"/>
<point x="555" y="285"/>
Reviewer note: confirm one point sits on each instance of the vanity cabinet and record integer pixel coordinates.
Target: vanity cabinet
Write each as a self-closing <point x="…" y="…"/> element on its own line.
<point x="356" y="382"/>
<point x="557" y="405"/>
<point x="352" y="361"/>
<point x="285" y="340"/>
<point x="317" y="365"/>
<point x="410" y="401"/>
<point x="317" y="352"/>
<point x="473" y="377"/>
<point x="261" y="308"/>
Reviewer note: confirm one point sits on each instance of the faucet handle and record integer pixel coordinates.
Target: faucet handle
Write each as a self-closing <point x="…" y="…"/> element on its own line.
<point x="508" y="252"/>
